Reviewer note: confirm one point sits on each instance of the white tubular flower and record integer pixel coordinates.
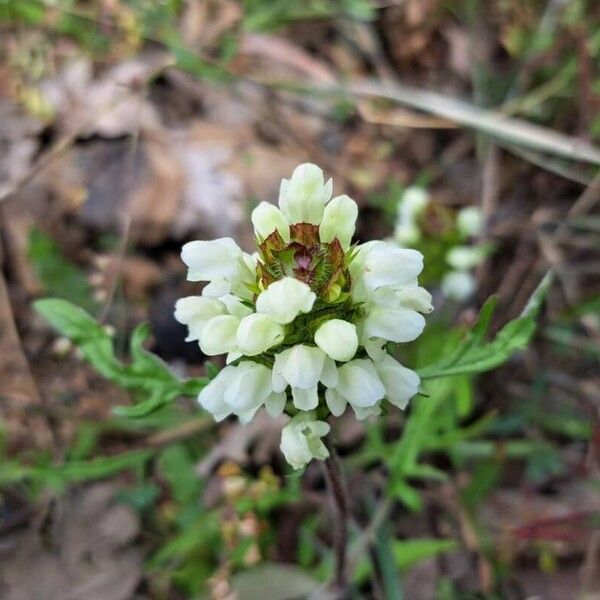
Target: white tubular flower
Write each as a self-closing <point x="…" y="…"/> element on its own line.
<point x="248" y="388"/>
<point x="196" y="312"/>
<point x="387" y="265"/>
<point x="400" y="383"/>
<point x="211" y="398"/>
<point x="219" y="335"/>
<point x="267" y="218"/>
<point x="338" y="339"/>
<point x="339" y="221"/>
<point x="217" y="259"/>
<point x="301" y="440"/>
<point x="257" y="333"/>
<point x="302" y="199"/>
<point x="458" y="285"/>
<point x="285" y="299"/>
<point x="359" y="384"/>
<point x="463" y="258"/>
<point x="469" y="221"/>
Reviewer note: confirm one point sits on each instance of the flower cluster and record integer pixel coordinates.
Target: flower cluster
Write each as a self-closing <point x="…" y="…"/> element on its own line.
<point x="305" y="321"/>
<point x="423" y="223"/>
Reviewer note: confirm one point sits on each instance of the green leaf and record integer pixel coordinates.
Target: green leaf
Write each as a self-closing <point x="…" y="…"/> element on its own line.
<point x="74" y="470"/>
<point x="387" y="562"/>
<point x="474" y="355"/>
<point x="409" y="552"/>
<point x="146" y="375"/>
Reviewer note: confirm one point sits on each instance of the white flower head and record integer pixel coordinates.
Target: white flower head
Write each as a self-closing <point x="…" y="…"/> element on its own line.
<point x="301" y="440"/>
<point x="305" y="321"/>
<point x="410" y="207"/>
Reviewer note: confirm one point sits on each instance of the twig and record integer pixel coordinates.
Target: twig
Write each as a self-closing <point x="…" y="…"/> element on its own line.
<point x="339" y="496"/>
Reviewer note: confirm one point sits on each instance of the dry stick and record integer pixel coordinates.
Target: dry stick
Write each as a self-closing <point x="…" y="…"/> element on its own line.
<point x="339" y="496"/>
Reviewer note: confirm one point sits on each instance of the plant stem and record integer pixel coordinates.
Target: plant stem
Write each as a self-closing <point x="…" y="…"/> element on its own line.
<point x="338" y="493"/>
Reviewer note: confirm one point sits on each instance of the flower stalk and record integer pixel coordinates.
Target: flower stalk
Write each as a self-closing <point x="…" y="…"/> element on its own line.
<point x="338" y="493"/>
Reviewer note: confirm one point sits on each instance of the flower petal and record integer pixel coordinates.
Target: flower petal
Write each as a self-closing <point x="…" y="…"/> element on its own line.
<point x="305" y="399"/>
<point x="401" y="384"/>
<point x="249" y="387"/>
<point x="329" y="375"/>
<point x="211" y="398"/>
<point x="195" y="312"/>
<point x="301" y="366"/>
<point x="396" y="325"/>
<point x="339" y="221"/>
<point x="257" y="333"/>
<point x="359" y="383"/>
<point x="218" y="335"/>
<point x="275" y="403"/>
<point x="303" y="197"/>
<point x="267" y="218"/>
<point x="387" y="265"/>
<point x="212" y="259"/>
<point x="335" y="402"/>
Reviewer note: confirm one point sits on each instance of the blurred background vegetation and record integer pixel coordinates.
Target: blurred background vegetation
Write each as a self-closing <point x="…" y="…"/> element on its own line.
<point x="130" y="127"/>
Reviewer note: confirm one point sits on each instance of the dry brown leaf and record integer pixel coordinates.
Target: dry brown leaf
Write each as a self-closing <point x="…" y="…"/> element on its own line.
<point x="85" y="555"/>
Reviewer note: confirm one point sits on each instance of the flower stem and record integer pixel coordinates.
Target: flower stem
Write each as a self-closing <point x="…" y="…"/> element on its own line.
<point x="338" y="493"/>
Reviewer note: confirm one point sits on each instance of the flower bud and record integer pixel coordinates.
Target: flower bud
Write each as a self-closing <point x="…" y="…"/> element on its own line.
<point x="283" y="300"/>
<point x="302" y="198"/>
<point x="267" y="218"/>
<point x="338" y="339"/>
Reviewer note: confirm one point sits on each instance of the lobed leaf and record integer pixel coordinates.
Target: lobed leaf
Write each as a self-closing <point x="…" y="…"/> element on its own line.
<point x="475" y="355"/>
<point x="146" y="374"/>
